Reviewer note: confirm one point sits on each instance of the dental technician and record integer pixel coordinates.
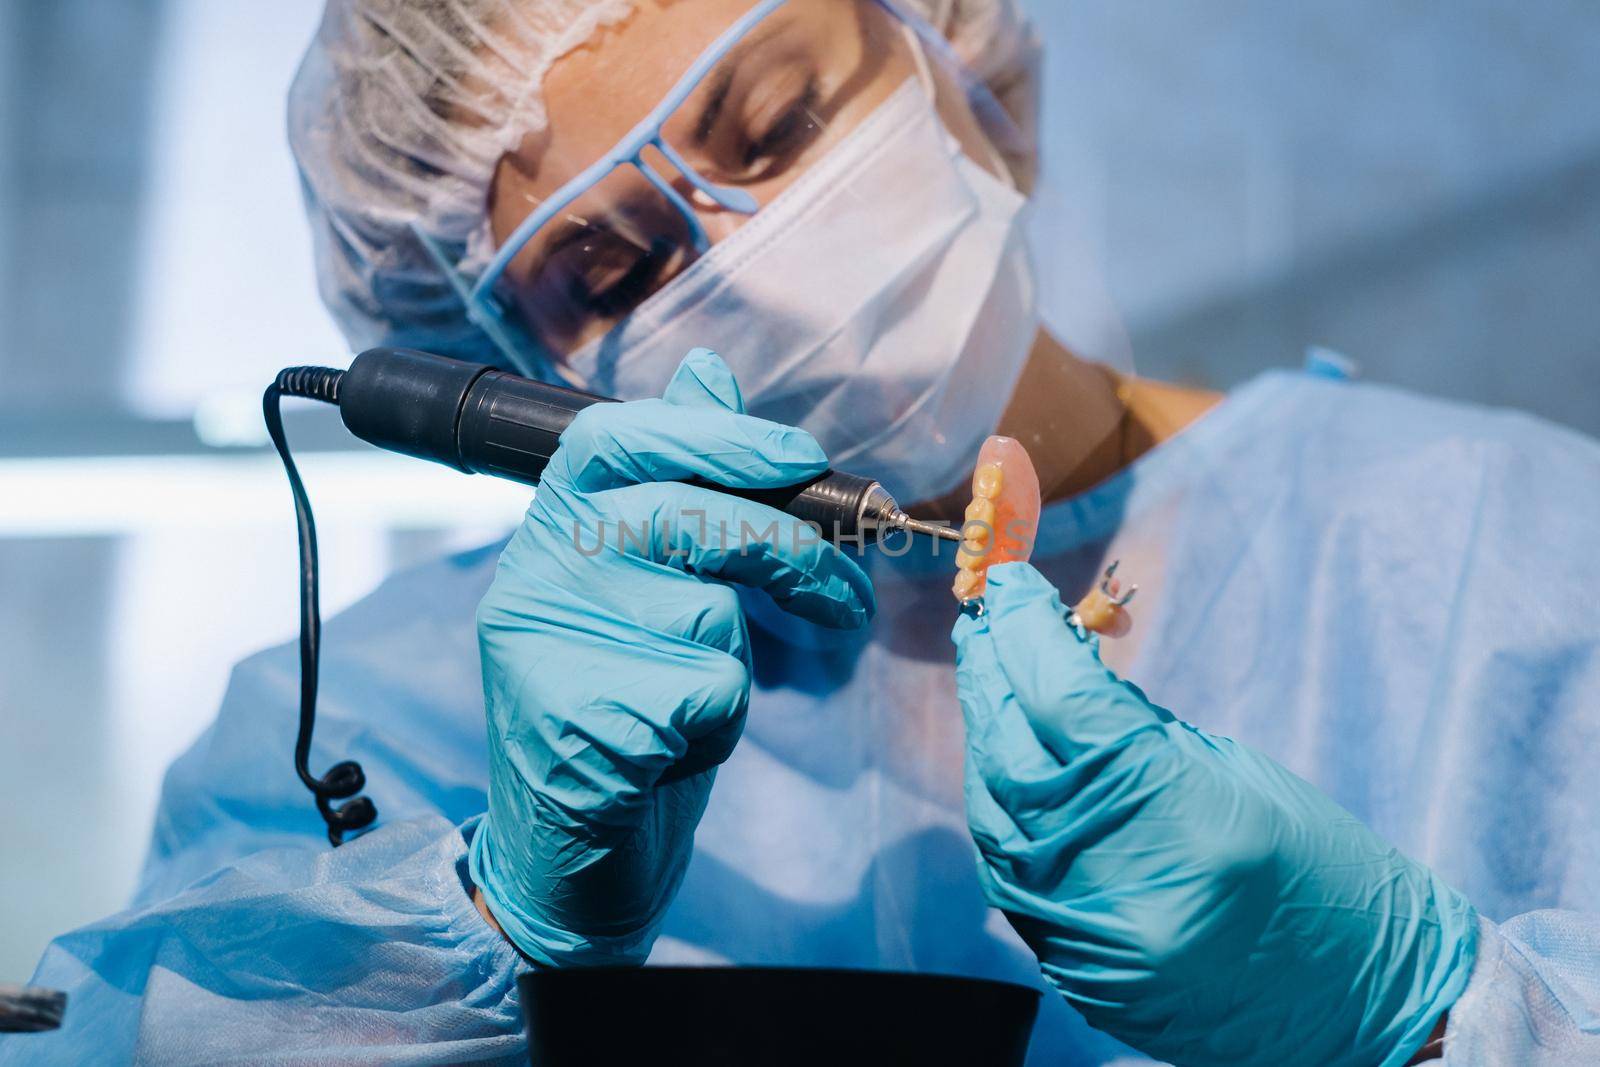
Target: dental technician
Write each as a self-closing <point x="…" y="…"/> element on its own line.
<point x="1337" y="604"/>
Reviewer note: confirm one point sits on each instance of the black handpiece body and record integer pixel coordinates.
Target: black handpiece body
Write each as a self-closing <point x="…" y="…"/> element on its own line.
<point x="481" y="420"/>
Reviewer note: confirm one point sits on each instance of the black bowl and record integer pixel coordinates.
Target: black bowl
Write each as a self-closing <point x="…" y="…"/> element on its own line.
<point x="773" y="1017"/>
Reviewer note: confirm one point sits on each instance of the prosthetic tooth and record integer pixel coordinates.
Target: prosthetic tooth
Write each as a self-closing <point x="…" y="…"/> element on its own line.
<point x="981" y="510"/>
<point x="970" y="557"/>
<point x="987" y="481"/>
<point x="966" y="584"/>
<point x="1102" y="611"/>
<point x="1095" y="612"/>
<point x="977" y="533"/>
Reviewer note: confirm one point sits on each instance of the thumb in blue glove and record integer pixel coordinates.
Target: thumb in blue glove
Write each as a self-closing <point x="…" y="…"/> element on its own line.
<point x="1188" y="895"/>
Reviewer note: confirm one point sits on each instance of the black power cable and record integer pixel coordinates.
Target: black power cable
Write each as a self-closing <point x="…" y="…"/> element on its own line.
<point x="346" y="778"/>
<point x="30" y="1009"/>
<point x="474" y="418"/>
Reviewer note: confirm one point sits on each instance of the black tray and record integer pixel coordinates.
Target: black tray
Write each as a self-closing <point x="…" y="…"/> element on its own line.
<point x="773" y="1017"/>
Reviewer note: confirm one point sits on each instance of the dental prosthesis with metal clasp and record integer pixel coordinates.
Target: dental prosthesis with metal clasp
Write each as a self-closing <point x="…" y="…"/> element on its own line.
<point x="1000" y="526"/>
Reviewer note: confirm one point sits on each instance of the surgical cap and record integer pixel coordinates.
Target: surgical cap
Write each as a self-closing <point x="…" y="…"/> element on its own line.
<point x="401" y="110"/>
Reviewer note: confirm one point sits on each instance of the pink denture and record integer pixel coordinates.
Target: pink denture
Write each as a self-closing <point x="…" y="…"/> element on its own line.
<point x="1003" y="518"/>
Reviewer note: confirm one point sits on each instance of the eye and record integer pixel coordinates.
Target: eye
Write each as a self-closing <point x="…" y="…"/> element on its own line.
<point x="790" y="132"/>
<point x="626" y="290"/>
<point x="606" y="273"/>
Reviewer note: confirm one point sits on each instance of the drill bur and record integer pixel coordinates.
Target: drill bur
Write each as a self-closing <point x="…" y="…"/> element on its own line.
<point x="905" y="522"/>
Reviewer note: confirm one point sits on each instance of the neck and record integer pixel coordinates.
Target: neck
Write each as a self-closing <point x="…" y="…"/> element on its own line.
<point x="1082" y="422"/>
<point x="1071" y="416"/>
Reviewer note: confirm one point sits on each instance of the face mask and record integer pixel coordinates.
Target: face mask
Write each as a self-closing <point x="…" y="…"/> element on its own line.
<point x="884" y="302"/>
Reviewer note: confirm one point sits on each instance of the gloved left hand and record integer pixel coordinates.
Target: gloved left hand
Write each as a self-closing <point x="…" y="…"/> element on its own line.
<point x="616" y="663"/>
<point x="1188" y="895"/>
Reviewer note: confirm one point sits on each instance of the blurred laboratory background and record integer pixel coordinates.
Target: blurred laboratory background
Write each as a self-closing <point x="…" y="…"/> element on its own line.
<point x="1228" y="182"/>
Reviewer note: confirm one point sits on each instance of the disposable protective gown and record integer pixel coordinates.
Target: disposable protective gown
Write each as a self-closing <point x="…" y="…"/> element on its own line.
<point x="1396" y="598"/>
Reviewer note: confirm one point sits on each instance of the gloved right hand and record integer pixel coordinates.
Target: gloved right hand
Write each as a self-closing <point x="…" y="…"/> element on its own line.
<point x="616" y="660"/>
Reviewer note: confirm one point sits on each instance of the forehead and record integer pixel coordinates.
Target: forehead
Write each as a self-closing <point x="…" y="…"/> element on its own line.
<point x="598" y="92"/>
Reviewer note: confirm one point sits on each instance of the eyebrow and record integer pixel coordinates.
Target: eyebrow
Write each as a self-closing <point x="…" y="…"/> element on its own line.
<point x="721" y="86"/>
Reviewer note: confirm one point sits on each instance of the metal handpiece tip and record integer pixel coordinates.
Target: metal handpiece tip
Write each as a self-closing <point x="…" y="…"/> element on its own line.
<point x="931" y="529"/>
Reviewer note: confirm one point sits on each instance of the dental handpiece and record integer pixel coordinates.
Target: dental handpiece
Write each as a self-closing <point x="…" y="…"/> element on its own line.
<point x="479" y="419"/>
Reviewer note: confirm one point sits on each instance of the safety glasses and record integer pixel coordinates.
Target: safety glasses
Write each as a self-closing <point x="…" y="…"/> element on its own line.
<point x="622" y="228"/>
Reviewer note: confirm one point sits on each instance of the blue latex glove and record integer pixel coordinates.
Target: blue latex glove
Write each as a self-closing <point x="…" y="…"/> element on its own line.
<point x="1186" y="894"/>
<point x="616" y="672"/>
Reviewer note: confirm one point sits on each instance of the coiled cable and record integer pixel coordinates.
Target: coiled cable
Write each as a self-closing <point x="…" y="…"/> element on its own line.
<point x="346" y="778"/>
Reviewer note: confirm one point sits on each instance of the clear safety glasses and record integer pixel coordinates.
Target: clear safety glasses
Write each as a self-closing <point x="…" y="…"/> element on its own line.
<point x="637" y="216"/>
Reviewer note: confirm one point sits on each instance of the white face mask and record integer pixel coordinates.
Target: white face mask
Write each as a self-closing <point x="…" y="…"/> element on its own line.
<point x="884" y="302"/>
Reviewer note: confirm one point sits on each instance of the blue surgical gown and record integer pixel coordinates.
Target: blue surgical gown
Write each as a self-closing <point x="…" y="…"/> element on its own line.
<point x="1397" y="598"/>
